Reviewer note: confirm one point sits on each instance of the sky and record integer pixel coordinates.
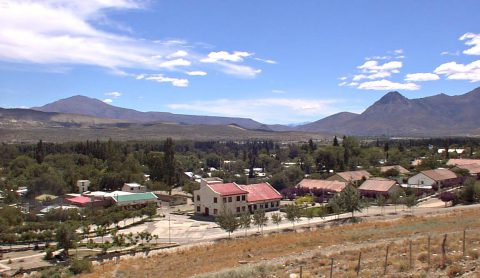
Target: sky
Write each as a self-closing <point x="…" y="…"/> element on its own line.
<point x="275" y="61"/>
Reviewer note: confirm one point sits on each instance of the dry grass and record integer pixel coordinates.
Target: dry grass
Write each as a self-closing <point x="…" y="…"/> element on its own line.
<point x="343" y="243"/>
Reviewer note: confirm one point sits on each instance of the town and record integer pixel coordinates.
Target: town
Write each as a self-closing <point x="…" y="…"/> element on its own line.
<point x="64" y="206"/>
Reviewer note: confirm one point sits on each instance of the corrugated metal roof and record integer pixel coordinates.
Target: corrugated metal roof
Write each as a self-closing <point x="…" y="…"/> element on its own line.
<point x="377" y="184"/>
<point x="334" y="186"/>
<point x="439" y="174"/>
<point x="135" y="197"/>
<point x="261" y="192"/>
<point x="226" y="189"/>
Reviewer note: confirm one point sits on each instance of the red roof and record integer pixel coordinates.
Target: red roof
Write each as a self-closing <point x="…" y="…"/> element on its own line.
<point x="227" y="189"/>
<point x="261" y="192"/>
<point x="81" y="200"/>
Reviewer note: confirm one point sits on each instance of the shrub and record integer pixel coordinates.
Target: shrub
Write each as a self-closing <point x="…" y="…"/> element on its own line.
<point x="48" y="254"/>
<point x="454" y="270"/>
<point x="81" y="266"/>
<point x="473" y="254"/>
<point x="423" y="257"/>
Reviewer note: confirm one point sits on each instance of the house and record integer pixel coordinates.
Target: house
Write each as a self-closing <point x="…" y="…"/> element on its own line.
<point x="213" y="197"/>
<point x="378" y="186"/>
<point x="134" y="188"/>
<point x="135" y="200"/>
<point x="459" y="162"/>
<point x="327" y="186"/>
<point x="83" y="185"/>
<point x="437" y="178"/>
<point x="399" y="168"/>
<point x="261" y="196"/>
<point x="355" y="177"/>
<point x="473" y="169"/>
<point x="83" y="201"/>
<point x="175" y="199"/>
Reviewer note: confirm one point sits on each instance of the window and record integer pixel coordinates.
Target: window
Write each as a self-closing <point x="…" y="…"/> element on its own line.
<point x="238" y="198"/>
<point x="224" y="200"/>
<point x="261" y="206"/>
<point x="243" y="208"/>
<point x="198" y="197"/>
<point x="229" y="199"/>
<point x="243" y="197"/>
<point x="215" y="211"/>
<point x="266" y="205"/>
<point x="278" y="203"/>
<point x="272" y="204"/>
<point x="255" y="207"/>
<point x="215" y="200"/>
<point x="238" y="209"/>
<point x="198" y="208"/>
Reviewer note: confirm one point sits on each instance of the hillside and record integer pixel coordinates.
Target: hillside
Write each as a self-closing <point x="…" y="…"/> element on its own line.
<point x="96" y="108"/>
<point x="394" y="114"/>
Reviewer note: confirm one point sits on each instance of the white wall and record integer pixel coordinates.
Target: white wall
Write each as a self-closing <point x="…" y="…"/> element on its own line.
<point x="207" y="196"/>
<point x="421" y="179"/>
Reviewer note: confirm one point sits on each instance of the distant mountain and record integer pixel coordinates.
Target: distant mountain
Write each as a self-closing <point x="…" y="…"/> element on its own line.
<point x="329" y="123"/>
<point x="396" y="115"/>
<point x="25" y="118"/>
<point x="96" y="108"/>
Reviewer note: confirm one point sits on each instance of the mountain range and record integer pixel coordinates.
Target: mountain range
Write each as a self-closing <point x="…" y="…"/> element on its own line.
<point x="392" y="115"/>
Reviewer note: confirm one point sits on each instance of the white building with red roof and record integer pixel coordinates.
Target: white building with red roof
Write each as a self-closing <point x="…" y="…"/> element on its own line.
<point x="213" y="197"/>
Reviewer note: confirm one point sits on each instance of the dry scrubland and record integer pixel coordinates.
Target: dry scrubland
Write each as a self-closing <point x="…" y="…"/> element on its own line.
<point x="279" y="255"/>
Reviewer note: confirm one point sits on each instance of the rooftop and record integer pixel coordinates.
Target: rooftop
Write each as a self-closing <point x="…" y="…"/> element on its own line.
<point x="226" y="189"/>
<point x="399" y="168"/>
<point x="439" y="174"/>
<point x="135" y="197"/>
<point x="354" y="175"/>
<point x="377" y="184"/>
<point x="334" y="186"/>
<point x="454" y="161"/>
<point x="261" y="192"/>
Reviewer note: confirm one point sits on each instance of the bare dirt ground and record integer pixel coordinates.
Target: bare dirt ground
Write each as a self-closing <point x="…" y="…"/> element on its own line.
<point x="282" y="254"/>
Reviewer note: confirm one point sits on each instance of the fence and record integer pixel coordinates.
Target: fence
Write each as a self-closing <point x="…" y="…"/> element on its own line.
<point x="450" y="253"/>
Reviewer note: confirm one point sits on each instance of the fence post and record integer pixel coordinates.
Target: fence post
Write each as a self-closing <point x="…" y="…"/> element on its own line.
<point x="410" y="255"/>
<point x="428" y="258"/>
<point x="331" y="267"/>
<point x="301" y="271"/>
<point x="358" y="264"/>
<point x="386" y="261"/>
<point x="444" y="252"/>
<point x="464" y="237"/>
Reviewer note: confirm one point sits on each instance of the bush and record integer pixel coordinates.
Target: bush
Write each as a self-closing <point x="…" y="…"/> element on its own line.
<point x="81" y="266"/>
<point x="454" y="270"/>
<point x="48" y="254"/>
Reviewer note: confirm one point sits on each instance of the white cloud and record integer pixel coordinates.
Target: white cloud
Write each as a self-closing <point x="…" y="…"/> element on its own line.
<point x="175" y="63"/>
<point x="383" y="85"/>
<point x="343" y="78"/>
<point x="377" y="75"/>
<point x="236" y="56"/>
<point x="398" y="51"/>
<point x="374" y="67"/>
<point x="455" y="71"/>
<point x="114" y="94"/>
<point x="268" y="61"/>
<point x="353" y="84"/>
<point x="179" y="53"/>
<point x="472" y="40"/>
<point x="341" y="84"/>
<point x="108" y="100"/>
<point x="68" y="32"/>
<point x="421" y="76"/>
<point x="268" y="110"/>
<point x="196" y="73"/>
<point x="177" y="82"/>
<point x="456" y="53"/>
<point x="276" y="91"/>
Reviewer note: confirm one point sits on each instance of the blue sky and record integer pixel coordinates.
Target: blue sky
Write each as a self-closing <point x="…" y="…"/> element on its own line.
<point x="273" y="61"/>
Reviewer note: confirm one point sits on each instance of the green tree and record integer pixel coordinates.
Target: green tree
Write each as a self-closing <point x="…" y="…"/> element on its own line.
<point x="293" y="213"/>
<point x="411" y="201"/>
<point x="245" y="221"/>
<point x="40" y="152"/>
<point x="66" y="237"/>
<point x="277" y="219"/>
<point x="335" y="205"/>
<point x="227" y="221"/>
<point x="381" y="202"/>
<point x="101" y="231"/>
<point x="260" y="219"/>
<point x="335" y="141"/>
<point x="309" y="213"/>
<point x="350" y="199"/>
<point x="395" y="197"/>
<point x="169" y="164"/>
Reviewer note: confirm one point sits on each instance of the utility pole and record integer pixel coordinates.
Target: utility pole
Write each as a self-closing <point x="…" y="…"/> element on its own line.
<point x="169" y="236"/>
